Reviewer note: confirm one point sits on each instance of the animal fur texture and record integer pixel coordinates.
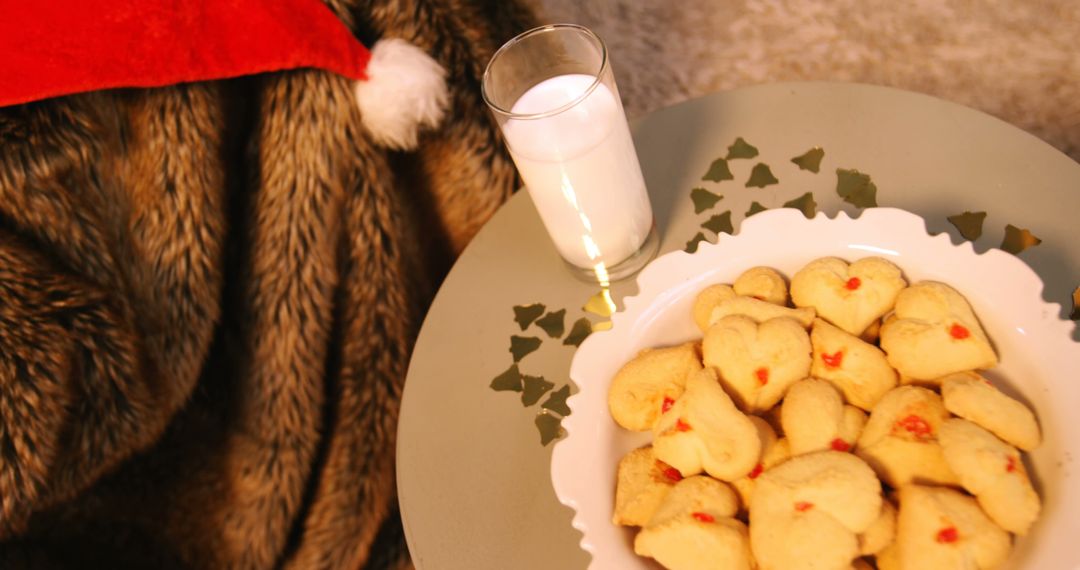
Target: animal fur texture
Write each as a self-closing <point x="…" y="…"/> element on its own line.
<point x="208" y="296"/>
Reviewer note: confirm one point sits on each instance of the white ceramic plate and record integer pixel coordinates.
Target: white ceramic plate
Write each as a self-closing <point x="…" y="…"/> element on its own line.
<point x="1039" y="361"/>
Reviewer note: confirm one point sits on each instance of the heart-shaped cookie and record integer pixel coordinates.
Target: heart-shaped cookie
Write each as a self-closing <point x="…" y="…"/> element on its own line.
<point x="757" y="362"/>
<point x="695" y="528"/>
<point x="650" y="383"/>
<point x="943" y="528"/>
<point x="935" y="333"/>
<point x="900" y="440"/>
<point x="642" y="482"/>
<point x="815" y="418"/>
<point x="697" y="540"/>
<point x="991" y="470"/>
<point x="852" y="296"/>
<point x="704" y="431"/>
<point x="718" y="301"/>
<point x="857" y="368"/>
<point x="974" y="398"/>
<point x="807" y="512"/>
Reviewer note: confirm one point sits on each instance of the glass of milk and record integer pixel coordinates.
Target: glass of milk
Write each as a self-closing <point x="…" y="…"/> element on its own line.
<point x="553" y="94"/>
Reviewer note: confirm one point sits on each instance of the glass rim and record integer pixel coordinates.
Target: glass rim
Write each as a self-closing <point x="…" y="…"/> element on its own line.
<point x="597" y="77"/>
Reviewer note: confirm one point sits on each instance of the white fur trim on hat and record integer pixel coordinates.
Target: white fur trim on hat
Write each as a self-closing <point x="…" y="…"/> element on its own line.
<point x="405" y="90"/>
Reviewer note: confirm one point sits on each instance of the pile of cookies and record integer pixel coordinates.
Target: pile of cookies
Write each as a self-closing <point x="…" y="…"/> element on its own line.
<point x="852" y="430"/>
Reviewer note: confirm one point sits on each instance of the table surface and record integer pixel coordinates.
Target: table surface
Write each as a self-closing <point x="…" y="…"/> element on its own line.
<point x="473" y="477"/>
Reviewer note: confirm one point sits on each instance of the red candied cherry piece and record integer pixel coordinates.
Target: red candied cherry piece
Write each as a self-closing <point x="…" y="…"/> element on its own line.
<point x="833" y="360"/>
<point x="703" y="517"/>
<point x="916" y="426"/>
<point x="948" y="535"/>
<point x="671" y="474"/>
<point x="840" y="445"/>
<point x="682" y="425"/>
<point x="756" y="471"/>
<point x="803" y="506"/>
<point x="853" y="284"/>
<point x="762" y="375"/>
<point x="959" y="332"/>
<point x="1010" y="464"/>
<point x="668" y="402"/>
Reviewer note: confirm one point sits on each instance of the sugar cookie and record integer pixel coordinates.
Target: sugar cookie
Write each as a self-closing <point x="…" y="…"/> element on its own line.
<point x="935" y="333"/>
<point x="974" y="398"/>
<point x="852" y="296"/>
<point x="943" y="529"/>
<point x="704" y="431"/>
<point x="651" y="382"/>
<point x="900" y="438"/>
<point x="757" y="362"/>
<point x="993" y="471"/>
<point x="857" y="368"/>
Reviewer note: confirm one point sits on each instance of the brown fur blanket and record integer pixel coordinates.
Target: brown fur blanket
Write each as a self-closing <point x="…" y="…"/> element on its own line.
<point x="208" y="295"/>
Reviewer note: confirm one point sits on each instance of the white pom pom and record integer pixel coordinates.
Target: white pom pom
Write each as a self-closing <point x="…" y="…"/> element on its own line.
<point x="405" y="90"/>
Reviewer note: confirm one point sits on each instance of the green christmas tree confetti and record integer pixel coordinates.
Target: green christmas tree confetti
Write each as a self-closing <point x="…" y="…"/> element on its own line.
<point x="509" y="381"/>
<point x="810" y="160"/>
<point x="755" y="208"/>
<point x="970" y="224"/>
<point x="719" y="223"/>
<point x="761" y="176"/>
<point x="804" y="204"/>
<point x="578" y="332"/>
<point x="553" y="323"/>
<point x="521" y="346"/>
<point x="741" y="149"/>
<point x="526" y="314"/>
<point x="718" y="171"/>
<point x="1018" y="239"/>
<point x="703" y="199"/>
<point x="535" y="387"/>
<point x="556" y="402"/>
<point x="692" y="245"/>
<point x="549" y="425"/>
<point x="856" y="188"/>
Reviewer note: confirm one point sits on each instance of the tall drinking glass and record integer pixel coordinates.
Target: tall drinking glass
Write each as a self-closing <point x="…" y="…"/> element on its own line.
<point x="553" y="94"/>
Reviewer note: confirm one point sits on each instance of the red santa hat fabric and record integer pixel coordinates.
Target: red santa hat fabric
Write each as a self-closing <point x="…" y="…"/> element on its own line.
<point x="59" y="47"/>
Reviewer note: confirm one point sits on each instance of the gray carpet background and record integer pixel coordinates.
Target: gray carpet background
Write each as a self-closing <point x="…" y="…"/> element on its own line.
<point x="1014" y="59"/>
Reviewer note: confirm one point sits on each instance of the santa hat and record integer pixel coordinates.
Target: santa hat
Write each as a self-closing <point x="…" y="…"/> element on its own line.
<point x="50" y="48"/>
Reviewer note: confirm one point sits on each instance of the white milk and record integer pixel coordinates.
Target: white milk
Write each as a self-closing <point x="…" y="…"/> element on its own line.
<point x="581" y="170"/>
